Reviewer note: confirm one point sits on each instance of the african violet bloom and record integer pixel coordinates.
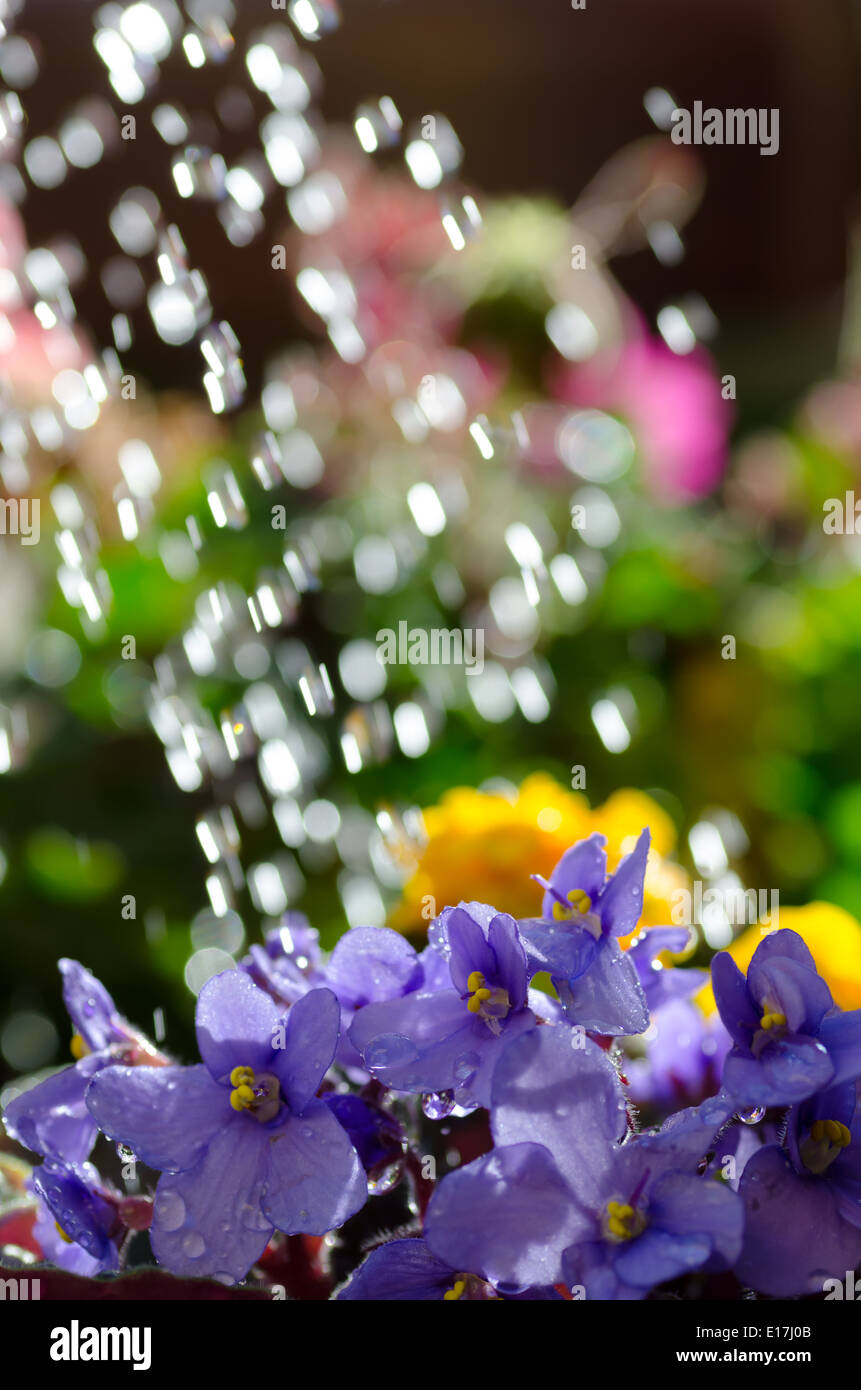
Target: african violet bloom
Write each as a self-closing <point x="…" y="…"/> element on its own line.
<point x="789" y="1039"/>
<point x="448" y="1039"/>
<point x="685" y="1051"/>
<point x="368" y="965"/>
<point x="816" y="1180"/>
<point x="574" y="939"/>
<point x="290" y="961"/>
<point x="661" y="985"/>
<point x="409" y="1270"/>
<point x="243" y="1142"/>
<point x="619" y="1218"/>
<point x="76" y="1223"/>
<point x="52" y="1117"/>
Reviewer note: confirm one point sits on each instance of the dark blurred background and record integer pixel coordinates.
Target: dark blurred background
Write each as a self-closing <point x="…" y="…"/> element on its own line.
<point x="541" y="96"/>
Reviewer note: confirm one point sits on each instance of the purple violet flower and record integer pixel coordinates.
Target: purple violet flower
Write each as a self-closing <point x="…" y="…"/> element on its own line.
<point x="75" y="1225"/>
<point x="789" y="1038"/>
<point x="662" y="985"/>
<point x="574" y="939"/>
<point x="815" y="1181"/>
<point x="408" y="1270"/>
<point x="621" y="1217"/>
<point x="243" y="1142"/>
<point x="685" y="1051"/>
<point x="290" y="961"/>
<point x="449" y="1039"/>
<point x="51" y="1118"/>
<point x="368" y="965"/>
<point x="377" y="1136"/>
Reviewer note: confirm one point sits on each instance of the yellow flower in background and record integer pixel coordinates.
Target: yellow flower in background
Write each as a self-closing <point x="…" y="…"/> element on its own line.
<point x="834" y="938"/>
<point x="483" y="846"/>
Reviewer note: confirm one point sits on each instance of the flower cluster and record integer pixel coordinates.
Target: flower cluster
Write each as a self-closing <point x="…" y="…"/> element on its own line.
<point x="302" y="1104"/>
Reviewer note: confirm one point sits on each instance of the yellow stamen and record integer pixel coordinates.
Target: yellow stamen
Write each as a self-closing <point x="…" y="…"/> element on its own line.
<point x="455" y="1291"/>
<point x="78" y="1047"/>
<point x="620" y="1209"/>
<point x="475" y="981"/>
<point x="623" y="1222"/>
<point x="62" y="1234"/>
<point x="579" y="900"/>
<point x="256" y="1093"/>
<point x="242" y="1097"/>
<point x="562" y="914"/>
<point x="822" y="1145"/>
<point x="772" y="1019"/>
<point x="832" y="1130"/>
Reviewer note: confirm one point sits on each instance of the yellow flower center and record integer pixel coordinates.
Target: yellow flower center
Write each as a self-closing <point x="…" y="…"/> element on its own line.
<point x="772" y="1018"/>
<point x="78" y="1047"/>
<point x="825" y="1141"/>
<point x="580" y="902"/>
<point x="771" y="1022"/>
<point x="469" y="1287"/>
<point x="258" y="1093"/>
<point x="623" y="1221"/>
<point x="490" y="1004"/>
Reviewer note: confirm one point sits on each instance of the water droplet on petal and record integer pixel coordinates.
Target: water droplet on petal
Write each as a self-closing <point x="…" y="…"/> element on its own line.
<point x="390" y="1050"/>
<point x="465" y="1067"/>
<point x="169" y="1211"/>
<point x="437" y="1104"/>
<point x="193" y="1245"/>
<point x="388" y="1179"/>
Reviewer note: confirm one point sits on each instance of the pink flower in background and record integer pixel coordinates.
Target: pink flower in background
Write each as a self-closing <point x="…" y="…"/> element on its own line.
<point x="387" y="245"/>
<point x="13" y="242"/>
<point x="31" y="355"/>
<point x="673" y="405"/>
